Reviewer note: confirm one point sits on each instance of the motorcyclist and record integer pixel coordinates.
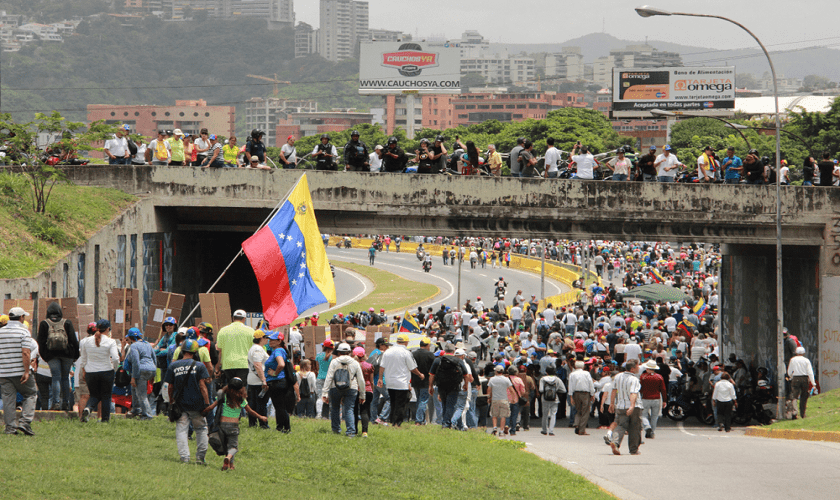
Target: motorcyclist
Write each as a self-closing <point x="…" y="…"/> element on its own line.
<point x="427" y="262"/>
<point x="356" y="154"/>
<point x="394" y="158"/>
<point x="325" y="154"/>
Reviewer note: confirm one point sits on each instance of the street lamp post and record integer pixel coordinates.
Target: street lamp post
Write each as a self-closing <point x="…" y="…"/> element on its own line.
<point x="647" y="11"/>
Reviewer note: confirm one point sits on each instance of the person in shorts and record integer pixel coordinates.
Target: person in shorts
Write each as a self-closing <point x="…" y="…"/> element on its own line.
<point x="497" y="394"/>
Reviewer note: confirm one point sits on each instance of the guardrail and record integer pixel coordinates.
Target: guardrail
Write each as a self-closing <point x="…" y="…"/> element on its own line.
<point x="553" y="270"/>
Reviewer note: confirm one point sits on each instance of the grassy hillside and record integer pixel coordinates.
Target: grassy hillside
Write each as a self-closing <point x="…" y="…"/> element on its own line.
<point x="30" y="242"/>
<point x="823" y="414"/>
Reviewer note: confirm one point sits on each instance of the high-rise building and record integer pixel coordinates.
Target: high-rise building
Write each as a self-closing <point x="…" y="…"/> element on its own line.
<point x="567" y="65"/>
<point x="306" y="40"/>
<point x="502" y="69"/>
<point x="344" y="23"/>
<point x="278" y="13"/>
<point x="632" y="56"/>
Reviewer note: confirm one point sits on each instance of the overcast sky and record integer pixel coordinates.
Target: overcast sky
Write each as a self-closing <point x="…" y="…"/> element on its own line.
<point x="776" y="22"/>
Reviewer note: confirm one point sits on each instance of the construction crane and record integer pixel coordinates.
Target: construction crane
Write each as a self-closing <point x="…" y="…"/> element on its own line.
<point x="274" y="80"/>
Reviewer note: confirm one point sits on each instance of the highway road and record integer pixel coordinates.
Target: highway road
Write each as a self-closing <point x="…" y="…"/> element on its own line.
<point x="474" y="282"/>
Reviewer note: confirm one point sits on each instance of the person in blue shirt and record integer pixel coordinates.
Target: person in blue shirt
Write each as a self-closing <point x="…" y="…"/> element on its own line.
<point x="278" y="385"/>
<point x="733" y="166"/>
<point x="140" y="364"/>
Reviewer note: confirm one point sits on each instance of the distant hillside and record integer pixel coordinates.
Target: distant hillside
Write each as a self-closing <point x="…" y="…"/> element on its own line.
<point x="793" y="64"/>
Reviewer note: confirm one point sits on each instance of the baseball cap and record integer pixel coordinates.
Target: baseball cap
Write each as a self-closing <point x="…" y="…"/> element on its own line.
<point x="17" y="312"/>
<point x="134" y="333"/>
<point x="212" y="137"/>
<point x="258" y="334"/>
<point x="460" y="352"/>
<point x="499" y="368"/>
<point x="275" y="336"/>
<point x="425" y="341"/>
<point x="472" y="355"/>
<point x="203" y="342"/>
<point x="652" y="147"/>
<point x="239" y="313"/>
<point x="402" y="338"/>
<point x="189" y="345"/>
<point x="378" y="146"/>
<point x="328" y="344"/>
<point x="667" y="147"/>
<point x="103" y="324"/>
<point x="205" y="327"/>
<point x="359" y="351"/>
<point x="126" y="127"/>
<point x="343" y="347"/>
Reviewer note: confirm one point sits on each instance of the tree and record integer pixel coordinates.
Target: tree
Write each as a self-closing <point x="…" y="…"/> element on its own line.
<point x="24" y="153"/>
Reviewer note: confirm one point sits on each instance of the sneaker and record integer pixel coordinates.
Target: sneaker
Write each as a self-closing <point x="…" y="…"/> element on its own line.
<point x="607" y="438"/>
<point x="647" y="433"/>
<point x="26" y="429"/>
<point x="550" y="433"/>
<point x="543" y="433"/>
<point x="185" y="460"/>
<point x="226" y="465"/>
<point x="507" y="429"/>
<point x="364" y="434"/>
<point x="130" y="414"/>
<point x="86" y="414"/>
<point x="201" y="463"/>
<point x="614" y="449"/>
<point x="495" y="432"/>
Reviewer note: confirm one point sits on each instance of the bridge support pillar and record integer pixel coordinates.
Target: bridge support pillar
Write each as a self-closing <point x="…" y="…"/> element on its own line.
<point x="748" y="302"/>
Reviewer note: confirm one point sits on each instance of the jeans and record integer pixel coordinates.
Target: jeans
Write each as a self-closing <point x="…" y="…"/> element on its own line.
<point x="9" y="388"/>
<point x="438" y="407"/>
<point x="515" y="174"/>
<point x="549" y="415"/>
<point x="139" y="396"/>
<point x="807" y="183"/>
<point x="306" y="406"/>
<point x="380" y="408"/>
<point x="651" y="409"/>
<point x="513" y="418"/>
<point x="60" y="371"/>
<point x="422" y="404"/>
<point x="648" y="177"/>
<point x="732" y="181"/>
<point x="619" y="177"/>
<point x="278" y="399"/>
<point x="119" y="160"/>
<point x="199" y="425"/>
<point x="100" y="385"/>
<point x="449" y="403"/>
<point x="460" y="404"/>
<point x="758" y="181"/>
<point x="472" y="415"/>
<point x="258" y="404"/>
<point x="399" y="398"/>
<point x="553" y="175"/>
<point x="43" y="383"/>
<point x="363" y="411"/>
<point x="347" y="399"/>
<point x="665" y="178"/>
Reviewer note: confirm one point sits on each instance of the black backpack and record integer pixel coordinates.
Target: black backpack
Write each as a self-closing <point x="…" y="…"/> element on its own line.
<point x="132" y="148"/>
<point x="449" y="374"/>
<point x="341" y="379"/>
<point x="305" y="392"/>
<point x="550" y="392"/>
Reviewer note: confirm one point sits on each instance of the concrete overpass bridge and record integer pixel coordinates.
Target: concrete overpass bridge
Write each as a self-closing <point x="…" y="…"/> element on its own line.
<point x="191" y="221"/>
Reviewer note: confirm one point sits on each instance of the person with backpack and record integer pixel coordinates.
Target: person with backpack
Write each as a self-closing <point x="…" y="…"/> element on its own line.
<point x="232" y="402"/>
<point x="380" y="406"/>
<point x="341" y="387"/>
<point x="188" y="379"/>
<point x="159" y="151"/>
<point x="59" y="346"/>
<point x="447" y="373"/>
<point x="278" y="383"/>
<point x="551" y="390"/>
<point x="141" y="357"/>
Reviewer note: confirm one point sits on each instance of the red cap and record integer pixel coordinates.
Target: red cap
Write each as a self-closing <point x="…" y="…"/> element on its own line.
<point x="329" y="343"/>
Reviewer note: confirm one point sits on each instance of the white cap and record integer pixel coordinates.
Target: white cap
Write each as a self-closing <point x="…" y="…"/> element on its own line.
<point x="800" y="350"/>
<point x="460" y="352"/>
<point x="17" y="312"/>
<point x="239" y="313"/>
<point x="343" y="347"/>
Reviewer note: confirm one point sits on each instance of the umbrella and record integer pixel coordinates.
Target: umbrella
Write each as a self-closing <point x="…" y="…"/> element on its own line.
<point x="656" y="292"/>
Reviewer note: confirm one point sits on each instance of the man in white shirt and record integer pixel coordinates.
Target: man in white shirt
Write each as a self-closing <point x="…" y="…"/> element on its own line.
<point x="516" y="316"/>
<point x="626" y="403"/>
<point x="288" y="153"/>
<point x="633" y="351"/>
<point x="582" y="389"/>
<point x="552" y="157"/>
<point x="585" y="162"/>
<point x="705" y="165"/>
<point x="666" y="165"/>
<point x="550" y="315"/>
<point x="116" y="149"/>
<point x="15" y="362"/>
<point x="376" y="159"/>
<point x="395" y="368"/>
<point x="801" y="374"/>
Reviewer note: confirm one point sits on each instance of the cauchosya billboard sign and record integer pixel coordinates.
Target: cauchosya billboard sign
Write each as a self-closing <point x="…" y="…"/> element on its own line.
<point x="673" y="88"/>
<point x="394" y="67"/>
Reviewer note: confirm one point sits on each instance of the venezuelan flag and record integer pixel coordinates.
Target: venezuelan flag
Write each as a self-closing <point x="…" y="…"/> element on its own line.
<point x="700" y="307"/>
<point x="655" y="276"/>
<point x="685" y="326"/>
<point x="290" y="260"/>
<point x="409" y="324"/>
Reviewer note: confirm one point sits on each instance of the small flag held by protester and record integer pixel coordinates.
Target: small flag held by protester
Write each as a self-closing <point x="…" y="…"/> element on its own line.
<point x="655" y="276"/>
<point x="409" y="324"/>
<point x="685" y="326"/>
<point x="700" y="307"/>
<point x="290" y="260"/>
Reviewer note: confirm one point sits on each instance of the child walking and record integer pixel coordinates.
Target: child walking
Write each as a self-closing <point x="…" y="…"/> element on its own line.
<point x="232" y="401"/>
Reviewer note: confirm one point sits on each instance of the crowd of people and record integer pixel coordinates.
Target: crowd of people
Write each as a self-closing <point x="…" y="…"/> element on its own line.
<point x="494" y="365"/>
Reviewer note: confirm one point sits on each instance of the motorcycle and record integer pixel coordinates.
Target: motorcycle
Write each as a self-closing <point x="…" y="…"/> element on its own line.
<point x="758" y="405"/>
<point x="427" y="265"/>
<point x="420" y="254"/>
<point x="347" y="243"/>
<point x="679" y="408"/>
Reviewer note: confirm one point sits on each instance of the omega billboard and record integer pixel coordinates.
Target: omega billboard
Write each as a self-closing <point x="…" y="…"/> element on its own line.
<point x="675" y="89"/>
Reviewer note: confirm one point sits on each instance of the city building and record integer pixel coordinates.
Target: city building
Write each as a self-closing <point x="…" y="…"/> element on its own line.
<point x="632" y="56"/>
<point x="306" y="40"/>
<point x="278" y="13"/>
<point x="344" y="23"/>
<point x="603" y="101"/>
<point x="315" y="123"/>
<point x="189" y="116"/>
<point x="388" y="36"/>
<point x="471" y="44"/>
<point x="396" y="113"/>
<point x="10" y="20"/>
<point x="43" y="32"/>
<point x="566" y="65"/>
<point x="502" y="69"/>
<point x="648" y="132"/>
<point x="265" y="113"/>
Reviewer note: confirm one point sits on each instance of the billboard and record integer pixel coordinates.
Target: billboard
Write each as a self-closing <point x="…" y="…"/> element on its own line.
<point x="675" y="89"/>
<point x="395" y="67"/>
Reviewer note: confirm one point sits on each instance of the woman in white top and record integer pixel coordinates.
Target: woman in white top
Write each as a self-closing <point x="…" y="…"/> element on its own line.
<point x="99" y="359"/>
<point x="621" y="167"/>
<point x="257" y="384"/>
<point x="724" y="399"/>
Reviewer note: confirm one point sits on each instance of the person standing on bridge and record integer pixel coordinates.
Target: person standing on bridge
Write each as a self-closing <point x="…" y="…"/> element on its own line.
<point x="666" y="164"/>
<point x="116" y="148"/>
<point x="356" y="154"/>
<point x="801" y="375"/>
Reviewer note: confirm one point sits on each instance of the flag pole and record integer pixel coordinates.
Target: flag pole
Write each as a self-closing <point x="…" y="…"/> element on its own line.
<point x="238" y="254"/>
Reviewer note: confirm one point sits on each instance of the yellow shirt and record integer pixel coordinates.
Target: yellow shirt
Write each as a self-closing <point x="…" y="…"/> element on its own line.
<point x="177" y="147"/>
<point x="230" y="152"/>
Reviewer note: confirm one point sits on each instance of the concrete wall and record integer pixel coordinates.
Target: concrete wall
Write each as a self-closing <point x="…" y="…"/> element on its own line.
<point x="113" y="272"/>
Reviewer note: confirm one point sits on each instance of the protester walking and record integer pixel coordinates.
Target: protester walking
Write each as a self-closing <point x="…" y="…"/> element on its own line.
<point x="99" y="360"/>
<point x="188" y="380"/>
<point x="626" y="403"/>
<point x="341" y="388"/>
<point x="551" y="389"/>
<point x="582" y="389"/>
<point x="15" y="363"/>
<point x="233" y="402"/>
<point x="395" y="371"/>
<point x="724" y="399"/>
<point x="257" y="383"/>
<point x="59" y="346"/>
<point x="801" y="374"/>
<point x="141" y="359"/>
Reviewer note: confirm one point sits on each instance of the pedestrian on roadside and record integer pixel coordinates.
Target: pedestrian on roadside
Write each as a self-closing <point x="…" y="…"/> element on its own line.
<point x="551" y="390"/>
<point x="15" y="363"/>
<point x="141" y="357"/>
<point x="257" y="383"/>
<point x="279" y="384"/>
<point x="99" y="360"/>
<point x="363" y="404"/>
<point x="516" y="395"/>
<point x="395" y="371"/>
<point x="801" y="374"/>
<point x="59" y="346"/>
<point x="188" y="379"/>
<point x="497" y="388"/>
<point x="582" y="390"/>
<point x="626" y="403"/>
<point x="233" y="343"/>
<point x="654" y="397"/>
<point x="724" y="400"/>
<point x="344" y="383"/>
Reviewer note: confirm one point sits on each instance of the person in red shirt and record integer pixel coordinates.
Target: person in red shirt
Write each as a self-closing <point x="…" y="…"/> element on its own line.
<point x="654" y="397"/>
<point x="579" y="343"/>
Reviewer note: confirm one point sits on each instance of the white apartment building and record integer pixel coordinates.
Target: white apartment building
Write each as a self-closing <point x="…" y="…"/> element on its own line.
<point x="502" y="69"/>
<point x="632" y="56"/>
<point x="344" y="23"/>
<point x="264" y="114"/>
